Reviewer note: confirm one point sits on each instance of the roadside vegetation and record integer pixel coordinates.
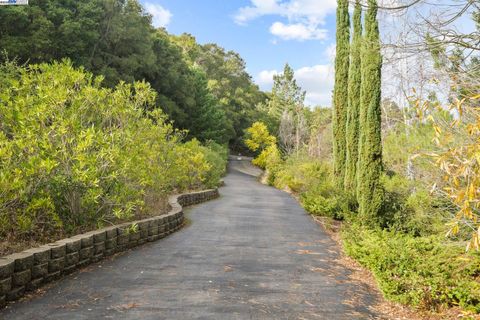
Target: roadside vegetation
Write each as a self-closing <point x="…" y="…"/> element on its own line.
<point x="407" y="250"/>
<point x="102" y="116"/>
<point x="401" y="180"/>
<point x="76" y="156"/>
<point x="203" y="88"/>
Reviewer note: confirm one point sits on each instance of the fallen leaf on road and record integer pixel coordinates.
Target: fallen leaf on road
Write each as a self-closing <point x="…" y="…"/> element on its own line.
<point x="310" y="304"/>
<point x="128" y="306"/>
<point x="317" y="269"/>
<point x="306" y="252"/>
<point x="305" y="244"/>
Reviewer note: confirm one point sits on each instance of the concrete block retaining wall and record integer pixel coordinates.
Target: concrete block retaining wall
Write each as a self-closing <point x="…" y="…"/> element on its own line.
<point x="30" y="269"/>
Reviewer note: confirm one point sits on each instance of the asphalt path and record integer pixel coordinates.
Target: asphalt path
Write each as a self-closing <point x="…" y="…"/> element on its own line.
<point x="253" y="253"/>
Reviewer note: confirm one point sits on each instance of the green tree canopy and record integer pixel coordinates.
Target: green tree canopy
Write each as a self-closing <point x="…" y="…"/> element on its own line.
<point x="228" y="81"/>
<point x="286" y="93"/>
<point x="116" y="39"/>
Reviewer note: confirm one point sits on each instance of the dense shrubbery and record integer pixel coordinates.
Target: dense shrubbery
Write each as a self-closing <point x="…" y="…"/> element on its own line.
<point x="314" y="182"/>
<point x="216" y="157"/>
<point x="409" y="208"/>
<point x="259" y="140"/>
<point x="407" y="252"/>
<point x="423" y="271"/>
<point x="76" y="155"/>
<point x="409" y="256"/>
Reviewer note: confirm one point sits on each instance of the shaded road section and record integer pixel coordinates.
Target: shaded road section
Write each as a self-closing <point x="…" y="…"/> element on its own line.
<point x="253" y="253"/>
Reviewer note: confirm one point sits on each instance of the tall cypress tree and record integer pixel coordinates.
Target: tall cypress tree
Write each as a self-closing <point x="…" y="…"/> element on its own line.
<point x="369" y="189"/>
<point x="340" y="91"/>
<point x="354" y="87"/>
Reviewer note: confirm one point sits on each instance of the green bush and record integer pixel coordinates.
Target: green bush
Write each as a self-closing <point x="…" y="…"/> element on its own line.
<point x="75" y="155"/>
<point x="408" y="253"/>
<point x="216" y="156"/>
<point x="410" y="208"/>
<point x="313" y="180"/>
<point x="320" y="202"/>
<point x="421" y="271"/>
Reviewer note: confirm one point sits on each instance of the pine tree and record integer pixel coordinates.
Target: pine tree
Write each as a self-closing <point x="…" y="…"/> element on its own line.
<point x="369" y="189"/>
<point x="287" y="107"/>
<point x="354" y="87"/>
<point x="286" y="93"/>
<point x="340" y="91"/>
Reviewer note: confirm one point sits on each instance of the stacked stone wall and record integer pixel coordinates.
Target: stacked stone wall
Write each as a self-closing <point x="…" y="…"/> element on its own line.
<point x="32" y="268"/>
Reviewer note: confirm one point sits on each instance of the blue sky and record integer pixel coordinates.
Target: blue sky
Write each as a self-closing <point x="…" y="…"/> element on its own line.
<point x="270" y="33"/>
<point x="266" y="33"/>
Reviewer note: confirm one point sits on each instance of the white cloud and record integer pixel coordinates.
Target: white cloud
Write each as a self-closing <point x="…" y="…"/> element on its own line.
<point x="331" y="52"/>
<point x="297" y="31"/>
<point x="311" y="10"/>
<point x="258" y="9"/>
<point x="304" y="17"/>
<point x="265" y="78"/>
<point x="317" y="81"/>
<point x="161" y="17"/>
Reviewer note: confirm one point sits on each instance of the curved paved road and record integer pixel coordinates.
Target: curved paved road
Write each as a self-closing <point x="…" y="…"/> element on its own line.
<point x="251" y="254"/>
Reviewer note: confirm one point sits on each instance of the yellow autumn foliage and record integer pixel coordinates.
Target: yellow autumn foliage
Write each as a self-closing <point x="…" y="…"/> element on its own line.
<point x="458" y="159"/>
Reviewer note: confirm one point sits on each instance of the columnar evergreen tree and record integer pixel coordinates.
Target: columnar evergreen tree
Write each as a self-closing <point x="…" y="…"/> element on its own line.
<point x="369" y="188"/>
<point x="340" y="91"/>
<point x="354" y="87"/>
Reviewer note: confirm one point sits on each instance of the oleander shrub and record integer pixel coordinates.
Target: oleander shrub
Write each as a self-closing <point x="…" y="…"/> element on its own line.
<point x="216" y="156"/>
<point x="198" y="166"/>
<point x="75" y="155"/>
